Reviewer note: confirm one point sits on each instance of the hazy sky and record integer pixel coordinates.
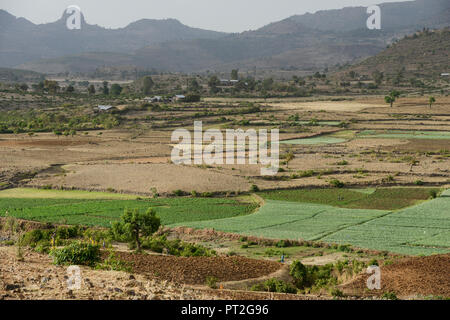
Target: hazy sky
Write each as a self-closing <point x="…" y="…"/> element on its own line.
<point x="220" y="15"/>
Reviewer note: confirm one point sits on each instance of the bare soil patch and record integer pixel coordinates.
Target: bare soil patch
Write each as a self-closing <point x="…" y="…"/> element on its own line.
<point x="195" y="270"/>
<point x="408" y="278"/>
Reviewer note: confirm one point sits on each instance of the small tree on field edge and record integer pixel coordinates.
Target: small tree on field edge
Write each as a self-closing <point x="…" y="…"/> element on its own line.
<point x="135" y="225"/>
<point x="431" y="101"/>
<point x="393" y="95"/>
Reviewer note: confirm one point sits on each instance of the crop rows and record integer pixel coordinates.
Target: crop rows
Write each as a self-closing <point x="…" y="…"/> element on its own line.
<point x="421" y="229"/>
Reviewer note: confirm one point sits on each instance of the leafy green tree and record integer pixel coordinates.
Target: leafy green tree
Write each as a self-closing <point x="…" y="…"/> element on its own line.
<point x="193" y="85"/>
<point x="91" y="89"/>
<point x="377" y="77"/>
<point x="70" y="89"/>
<point x="51" y="86"/>
<point x="213" y="83"/>
<point x="289" y="157"/>
<point x="147" y="84"/>
<point x="267" y="84"/>
<point x="235" y="74"/>
<point x="135" y="225"/>
<point x="105" y="88"/>
<point x="431" y="100"/>
<point x="392" y="97"/>
<point x="116" y="89"/>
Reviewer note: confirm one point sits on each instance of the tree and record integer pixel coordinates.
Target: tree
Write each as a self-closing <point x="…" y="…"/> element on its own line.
<point x="193" y="85"/>
<point x="192" y="97"/>
<point x="377" y="77"/>
<point x="51" y="86"/>
<point x="235" y="74"/>
<point x="431" y="101"/>
<point x="267" y="84"/>
<point x="147" y="84"/>
<point x="116" y="89"/>
<point x="105" y="88"/>
<point x="352" y="74"/>
<point x="289" y="157"/>
<point x="91" y="89"/>
<point x="135" y="225"/>
<point x="213" y="83"/>
<point x="393" y="95"/>
<point x="70" y="89"/>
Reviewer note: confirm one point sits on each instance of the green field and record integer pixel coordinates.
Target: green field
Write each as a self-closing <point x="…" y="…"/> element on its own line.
<point x="100" y="209"/>
<point x="420" y="229"/>
<point x="314" y="140"/>
<point x="383" y="199"/>
<point x="393" y="219"/>
<point x="393" y="134"/>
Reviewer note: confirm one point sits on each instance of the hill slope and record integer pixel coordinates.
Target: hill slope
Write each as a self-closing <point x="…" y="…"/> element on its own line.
<point x="306" y="42"/>
<point x="422" y="55"/>
<point x="53" y="40"/>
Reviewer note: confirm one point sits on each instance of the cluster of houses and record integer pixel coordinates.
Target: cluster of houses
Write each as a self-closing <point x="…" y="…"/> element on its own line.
<point x="178" y="97"/>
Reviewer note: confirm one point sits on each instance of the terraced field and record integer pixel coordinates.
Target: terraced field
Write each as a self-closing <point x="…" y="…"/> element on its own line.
<point x="100" y="209"/>
<point x="394" y="134"/>
<point x="315" y="140"/>
<point x="420" y="229"/>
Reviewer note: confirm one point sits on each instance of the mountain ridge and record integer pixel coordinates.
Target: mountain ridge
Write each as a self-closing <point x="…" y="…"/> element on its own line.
<point x="300" y="42"/>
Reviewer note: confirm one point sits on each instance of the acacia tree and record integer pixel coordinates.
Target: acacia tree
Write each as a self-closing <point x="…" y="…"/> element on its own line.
<point x="393" y="95"/>
<point x="91" y="89"/>
<point x="147" y="84"/>
<point x="135" y="225"/>
<point x="431" y="101"/>
<point x="289" y="157"/>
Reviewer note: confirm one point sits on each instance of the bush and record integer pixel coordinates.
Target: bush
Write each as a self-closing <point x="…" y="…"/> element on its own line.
<point x="336" y="183"/>
<point x="192" y="98"/>
<point x="300" y="274"/>
<point x="282" y="244"/>
<point x="389" y="296"/>
<point x="207" y="195"/>
<point x="373" y="262"/>
<point x="178" y="193"/>
<point x="254" y="188"/>
<point x="31" y="238"/>
<point x="337" y="293"/>
<point x="312" y="276"/>
<point x="176" y="247"/>
<point x="433" y="194"/>
<point x="77" y="253"/>
<point x="112" y="263"/>
<point x="211" y="282"/>
<point x="275" y="285"/>
<point x="43" y="246"/>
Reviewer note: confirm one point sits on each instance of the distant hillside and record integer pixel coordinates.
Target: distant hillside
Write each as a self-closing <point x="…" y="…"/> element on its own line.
<point x="306" y="42"/>
<point x="421" y="55"/>
<point x="15" y="75"/>
<point x="22" y="41"/>
<point x="395" y="16"/>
